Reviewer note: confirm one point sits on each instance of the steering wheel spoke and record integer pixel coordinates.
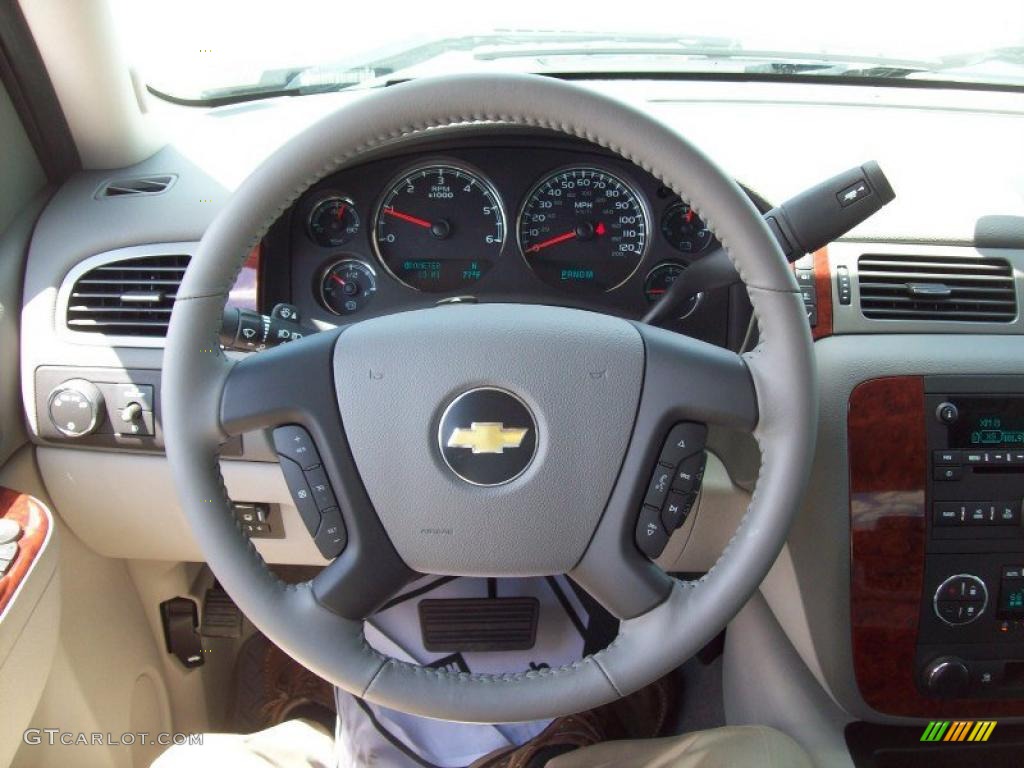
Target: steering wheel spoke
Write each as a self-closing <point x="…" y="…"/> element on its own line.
<point x="690" y="380"/>
<point x="292" y="386"/>
<point x="688" y="385"/>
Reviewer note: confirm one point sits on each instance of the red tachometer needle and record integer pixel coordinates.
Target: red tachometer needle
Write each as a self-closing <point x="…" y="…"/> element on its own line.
<point x="337" y="279"/>
<point x="551" y="241"/>
<point x="406" y="217"/>
<point x="341" y="211"/>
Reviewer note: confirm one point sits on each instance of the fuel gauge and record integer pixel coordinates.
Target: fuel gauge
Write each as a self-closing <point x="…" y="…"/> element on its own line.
<point x="347" y="286"/>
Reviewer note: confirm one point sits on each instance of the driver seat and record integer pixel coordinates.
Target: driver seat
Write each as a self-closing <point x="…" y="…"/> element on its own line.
<point x="300" y="743"/>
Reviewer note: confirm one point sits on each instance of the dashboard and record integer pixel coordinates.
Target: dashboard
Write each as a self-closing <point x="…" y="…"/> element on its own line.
<point x="517" y="219"/>
<point x="845" y="617"/>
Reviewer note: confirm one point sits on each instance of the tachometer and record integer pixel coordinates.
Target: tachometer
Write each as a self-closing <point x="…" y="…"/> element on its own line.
<point x="583" y="230"/>
<point x="439" y="228"/>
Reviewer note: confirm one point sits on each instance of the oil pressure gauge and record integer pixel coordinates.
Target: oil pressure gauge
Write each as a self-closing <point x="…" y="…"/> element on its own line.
<point x="333" y="222"/>
<point x="347" y="286"/>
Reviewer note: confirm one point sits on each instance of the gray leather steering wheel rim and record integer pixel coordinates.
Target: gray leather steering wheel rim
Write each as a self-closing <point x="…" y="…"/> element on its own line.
<point x="781" y="369"/>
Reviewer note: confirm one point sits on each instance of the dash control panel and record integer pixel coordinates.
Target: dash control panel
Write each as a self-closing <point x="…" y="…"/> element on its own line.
<point x="971" y="628"/>
<point x="673" y="487"/>
<point x="311" y="489"/>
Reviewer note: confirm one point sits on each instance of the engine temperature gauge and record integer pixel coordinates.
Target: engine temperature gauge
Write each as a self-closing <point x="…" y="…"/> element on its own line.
<point x="661" y="278"/>
<point x="347" y="286"/>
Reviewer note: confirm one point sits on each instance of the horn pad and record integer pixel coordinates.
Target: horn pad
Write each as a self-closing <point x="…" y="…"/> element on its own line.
<point x="489" y="437"/>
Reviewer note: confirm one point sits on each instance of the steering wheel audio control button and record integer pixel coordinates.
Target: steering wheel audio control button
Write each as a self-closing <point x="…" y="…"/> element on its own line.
<point x="659" y="487"/>
<point x="295" y="443"/>
<point x="331" y="537"/>
<point x="650" y="535"/>
<point x="677" y="509"/>
<point x="684" y="440"/>
<point x="689" y="473"/>
<point x="302" y="495"/>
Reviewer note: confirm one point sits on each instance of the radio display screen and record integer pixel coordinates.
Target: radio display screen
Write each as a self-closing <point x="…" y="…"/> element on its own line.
<point x="988" y="423"/>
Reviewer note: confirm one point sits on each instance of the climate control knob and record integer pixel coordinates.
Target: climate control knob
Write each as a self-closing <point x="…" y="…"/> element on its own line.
<point x="76" y="407"/>
<point x="960" y="599"/>
<point x="947" y="677"/>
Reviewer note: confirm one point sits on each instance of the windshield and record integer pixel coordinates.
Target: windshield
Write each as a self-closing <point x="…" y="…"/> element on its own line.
<point x="209" y="52"/>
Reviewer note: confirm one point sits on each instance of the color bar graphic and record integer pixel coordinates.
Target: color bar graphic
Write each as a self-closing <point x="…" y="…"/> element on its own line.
<point x="959" y="730"/>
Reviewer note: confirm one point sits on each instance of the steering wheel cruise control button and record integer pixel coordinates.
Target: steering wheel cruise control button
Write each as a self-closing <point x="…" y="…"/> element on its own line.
<point x="301" y="494"/>
<point x="321" y="488"/>
<point x="295" y="443"/>
<point x="331" y="537"/>
<point x="650" y="535"/>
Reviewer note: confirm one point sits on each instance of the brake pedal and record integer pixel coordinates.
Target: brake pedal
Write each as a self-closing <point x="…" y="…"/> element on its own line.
<point x="221" y="617"/>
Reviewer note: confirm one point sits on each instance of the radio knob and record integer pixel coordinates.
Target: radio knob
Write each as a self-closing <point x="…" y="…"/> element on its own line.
<point x="947" y="413"/>
<point x="75" y="407"/>
<point x="947" y="676"/>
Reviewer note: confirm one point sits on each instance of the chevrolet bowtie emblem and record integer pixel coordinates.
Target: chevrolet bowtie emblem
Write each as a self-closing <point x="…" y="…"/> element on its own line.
<point x="487" y="437"/>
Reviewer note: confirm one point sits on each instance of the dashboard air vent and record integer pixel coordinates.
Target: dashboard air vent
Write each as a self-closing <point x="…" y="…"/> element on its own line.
<point x="936" y="288"/>
<point x="131" y="297"/>
<point x="142" y="185"/>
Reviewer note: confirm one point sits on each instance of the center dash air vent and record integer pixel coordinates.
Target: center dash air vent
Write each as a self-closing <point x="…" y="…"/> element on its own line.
<point x="936" y="288"/>
<point x="142" y="185"/>
<point x="129" y="297"/>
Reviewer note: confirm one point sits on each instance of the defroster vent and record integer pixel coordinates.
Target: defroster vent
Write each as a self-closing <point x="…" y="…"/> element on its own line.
<point x="936" y="288"/>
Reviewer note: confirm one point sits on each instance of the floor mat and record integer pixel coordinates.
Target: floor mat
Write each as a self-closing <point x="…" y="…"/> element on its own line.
<point x="271" y="687"/>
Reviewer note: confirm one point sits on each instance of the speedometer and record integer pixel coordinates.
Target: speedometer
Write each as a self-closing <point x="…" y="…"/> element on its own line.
<point x="439" y="228"/>
<point x="583" y="230"/>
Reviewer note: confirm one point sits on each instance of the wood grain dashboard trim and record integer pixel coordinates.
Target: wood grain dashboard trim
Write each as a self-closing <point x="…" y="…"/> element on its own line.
<point x="888" y="466"/>
<point x="34" y="520"/>
<point x="823" y="289"/>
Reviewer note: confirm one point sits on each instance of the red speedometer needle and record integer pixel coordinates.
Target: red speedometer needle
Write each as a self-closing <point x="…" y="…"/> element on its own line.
<point x="341" y="211"/>
<point x="551" y="241"/>
<point x="406" y="217"/>
<point x="337" y="279"/>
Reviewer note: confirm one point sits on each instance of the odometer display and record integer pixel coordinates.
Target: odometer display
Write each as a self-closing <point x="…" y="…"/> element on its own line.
<point x="583" y="230"/>
<point x="439" y="228"/>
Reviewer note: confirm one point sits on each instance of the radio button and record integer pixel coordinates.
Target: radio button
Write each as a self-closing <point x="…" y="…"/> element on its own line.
<point x="973" y="457"/>
<point x="948" y="473"/>
<point x="979" y="513"/>
<point x="946" y="457"/>
<point x="949" y="513"/>
<point x="1007" y="513"/>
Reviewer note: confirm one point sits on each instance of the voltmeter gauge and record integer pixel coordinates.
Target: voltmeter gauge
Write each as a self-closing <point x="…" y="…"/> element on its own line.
<point x="347" y="286"/>
<point x="683" y="228"/>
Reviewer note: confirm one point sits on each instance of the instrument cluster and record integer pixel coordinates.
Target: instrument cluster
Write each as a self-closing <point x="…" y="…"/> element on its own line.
<point x="543" y="221"/>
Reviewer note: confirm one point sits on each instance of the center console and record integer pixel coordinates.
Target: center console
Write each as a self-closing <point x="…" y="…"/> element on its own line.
<point x="971" y="633"/>
<point x="937" y="544"/>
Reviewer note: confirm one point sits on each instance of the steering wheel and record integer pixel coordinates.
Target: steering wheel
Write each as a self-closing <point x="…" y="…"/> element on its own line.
<point x="600" y="394"/>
